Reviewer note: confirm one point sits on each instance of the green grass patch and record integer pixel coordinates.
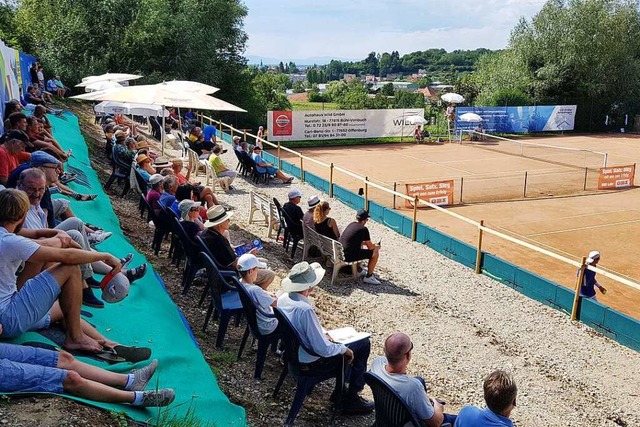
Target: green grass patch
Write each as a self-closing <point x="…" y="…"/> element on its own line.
<point x="312" y="106"/>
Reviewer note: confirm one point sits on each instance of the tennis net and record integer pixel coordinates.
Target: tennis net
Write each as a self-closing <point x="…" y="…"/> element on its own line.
<point x="565" y="156"/>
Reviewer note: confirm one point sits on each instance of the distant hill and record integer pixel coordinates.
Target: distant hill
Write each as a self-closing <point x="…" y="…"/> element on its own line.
<point x="317" y="60"/>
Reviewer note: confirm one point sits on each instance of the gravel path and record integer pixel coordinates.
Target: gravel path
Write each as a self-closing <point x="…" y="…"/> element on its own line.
<point x="464" y="325"/>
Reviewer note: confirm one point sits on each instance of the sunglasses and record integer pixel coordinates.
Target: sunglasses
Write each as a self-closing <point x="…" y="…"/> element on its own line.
<point x="411" y="349"/>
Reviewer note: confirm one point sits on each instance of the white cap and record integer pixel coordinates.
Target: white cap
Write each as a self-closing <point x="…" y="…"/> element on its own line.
<point x="248" y="261"/>
<point x="155" y="178"/>
<point x="593" y="255"/>
<point x="294" y="193"/>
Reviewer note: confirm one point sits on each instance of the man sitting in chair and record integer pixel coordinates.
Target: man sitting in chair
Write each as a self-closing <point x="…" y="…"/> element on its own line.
<point x="295" y="305"/>
<point x="392" y="369"/>
<point x="500" y="393"/>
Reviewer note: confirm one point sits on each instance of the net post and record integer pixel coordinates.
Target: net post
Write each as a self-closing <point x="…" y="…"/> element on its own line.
<point x="279" y="158"/>
<point x="606" y="157"/>
<point x="479" y="249"/>
<point x="395" y="186"/>
<point x="586" y="171"/>
<point x="301" y="169"/>
<point x="331" y="181"/>
<point x="576" y="297"/>
<point x="461" y="187"/>
<point x="524" y="190"/>
<point x="366" y="192"/>
<point x="414" y="228"/>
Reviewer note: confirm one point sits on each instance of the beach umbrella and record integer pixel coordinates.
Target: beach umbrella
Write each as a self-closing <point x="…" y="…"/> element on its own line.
<point x="129" y="108"/>
<point x="101" y="85"/>
<point x="470" y="117"/>
<point x="112" y="77"/>
<point x="189" y="86"/>
<point x="452" y="98"/>
<point x="415" y="120"/>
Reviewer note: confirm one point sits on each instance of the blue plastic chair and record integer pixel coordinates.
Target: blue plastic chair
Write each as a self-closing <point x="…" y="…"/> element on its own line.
<point x="264" y="341"/>
<point x="225" y="299"/>
<point x="306" y="380"/>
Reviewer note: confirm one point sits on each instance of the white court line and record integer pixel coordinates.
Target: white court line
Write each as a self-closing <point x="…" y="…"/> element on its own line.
<point x="420" y="159"/>
<point x="568" y="230"/>
<point x="577" y="216"/>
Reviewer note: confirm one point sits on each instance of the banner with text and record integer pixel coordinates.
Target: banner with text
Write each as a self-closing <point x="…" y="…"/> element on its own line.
<point x="339" y="124"/>
<point x="615" y="177"/>
<point x="436" y="192"/>
<point x="539" y="118"/>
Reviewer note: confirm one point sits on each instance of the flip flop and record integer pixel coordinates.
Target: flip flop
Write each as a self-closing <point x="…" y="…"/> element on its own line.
<point x="84" y="197"/>
<point x="106" y="355"/>
<point x="132" y="354"/>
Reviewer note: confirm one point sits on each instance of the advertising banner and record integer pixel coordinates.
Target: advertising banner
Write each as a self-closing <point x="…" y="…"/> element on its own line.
<point x="24" y="78"/>
<point x="9" y="86"/>
<point x="615" y="177"/>
<point x="436" y="192"/>
<point x="339" y="124"/>
<point x="530" y="119"/>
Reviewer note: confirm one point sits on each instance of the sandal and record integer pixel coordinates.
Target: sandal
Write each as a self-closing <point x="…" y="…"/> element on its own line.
<point x="93" y="227"/>
<point x="84" y="197"/>
<point x="131" y="354"/>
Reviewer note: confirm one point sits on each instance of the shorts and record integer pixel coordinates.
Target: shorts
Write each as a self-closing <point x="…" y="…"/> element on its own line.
<point x="29" y="369"/>
<point x="29" y="308"/>
<point x="359" y="254"/>
<point x="270" y="170"/>
<point x="60" y="206"/>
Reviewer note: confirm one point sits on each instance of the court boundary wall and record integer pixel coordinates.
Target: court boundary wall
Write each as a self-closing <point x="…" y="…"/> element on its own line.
<point x="609" y="322"/>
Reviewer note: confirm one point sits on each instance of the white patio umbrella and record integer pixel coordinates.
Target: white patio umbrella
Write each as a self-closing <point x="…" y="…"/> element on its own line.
<point x="102" y="85"/>
<point x="452" y="98"/>
<point x="112" y="77"/>
<point x="129" y="108"/>
<point x="470" y="118"/>
<point x="415" y="120"/>
<point x="189" y="86"/>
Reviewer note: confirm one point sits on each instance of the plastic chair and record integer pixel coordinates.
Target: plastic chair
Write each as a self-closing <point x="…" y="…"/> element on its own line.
<point x="306" y="380"/>
<point x="120" y="172"/>
<point x="240" y="167"/>
<point x="225" y="299"/>
<point x="391" y="409"/>
<point x="161" y="227"/>
<point x="250" y="311"/>
<point x="190" y="250"/>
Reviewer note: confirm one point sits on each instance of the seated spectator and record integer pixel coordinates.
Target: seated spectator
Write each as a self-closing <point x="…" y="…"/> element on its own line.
<point x="168" y="196"/>
<point x="32" y="96"/>
<point x="220" y="247"/>
<point x="248" y="267"/>
<point x="209" y="134"/>
<point x="34" y="132"/>
<point x="161" y="163"/>
<point x="417" y="134"/>
<point x="13" y="106"/>
<point x="237" y="143"/>
<point x="357" y="245"/>
<point x="478" y="133"/>
<point x="201" y="193"/>
<point x="323" y="223"/>
<point x="155" y="192"/>
<point x="262" y="166"/>
<point x="52" y="296"/>
<point x="190" y="218"/>
<point x="61" y="88"/>
<point x="145" y="166"/>
<point x="221" y="169"/>
<point x="11" y="153"/>
<point x="294" y="211"/>
<point x="307" y="218"/>
<point x="295" y="304"/>
<point x="40" y="112"/>
<point x="392" y="369"/>
<point x="18" y="121"/>
<point x="27" y="369"/>
<point x="500" y="393"/>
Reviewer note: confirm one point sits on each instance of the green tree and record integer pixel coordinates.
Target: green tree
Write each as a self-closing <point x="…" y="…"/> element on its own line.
<point x="269" y="90"/>
<point x="387" y="89"/>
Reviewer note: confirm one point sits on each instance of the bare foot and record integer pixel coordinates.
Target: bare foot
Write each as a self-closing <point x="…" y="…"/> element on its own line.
<point x="84" y="344"/>
<point x="108" y="343"/>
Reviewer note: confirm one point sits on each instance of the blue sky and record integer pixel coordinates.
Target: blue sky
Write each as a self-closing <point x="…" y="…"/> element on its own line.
<point x="288" y="29"/>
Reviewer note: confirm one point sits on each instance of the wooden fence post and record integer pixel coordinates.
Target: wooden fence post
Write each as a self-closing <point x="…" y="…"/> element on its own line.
<point x="331" y="181"/>
<point x="395" y="185"/>
<point x="301" y="169"/>
<point x="414" y="229"/>
<point x="479" y="249"/>
<point x="576" y="297"/>
<point x="366" y="192"/>
<point x="279" y="159"/>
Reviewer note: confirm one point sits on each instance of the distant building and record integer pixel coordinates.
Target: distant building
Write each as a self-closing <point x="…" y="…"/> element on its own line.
<point x="408" y="86"/>
<point x="428" y="93"/>
<point x="370" y="78"/>
<point x="438" y="87"/>
<point x="422" y="72"/>
<point x="297" y="78"/>
<point x="322" y="87"/>
<point x="393" y="76"/>
<point x="349" y="77"/>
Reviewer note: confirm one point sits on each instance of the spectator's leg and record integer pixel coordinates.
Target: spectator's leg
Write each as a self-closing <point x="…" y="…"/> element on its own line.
<point x="361" y="350"/>
<point x="229" y="174"/>
<point x="92" y="390"/>
<point x="207" y="196"/>
<point x="282" y="176"/>
<point x="90" y="372"/>
<point x="265" y="277"/>
<point x="371" y="265"/>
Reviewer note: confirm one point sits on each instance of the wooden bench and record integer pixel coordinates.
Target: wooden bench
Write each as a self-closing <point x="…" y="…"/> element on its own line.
<point x="259" y="203"/>
<point x="330" y="248"/>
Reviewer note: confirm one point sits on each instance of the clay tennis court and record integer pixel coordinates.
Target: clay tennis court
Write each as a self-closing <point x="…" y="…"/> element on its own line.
<point x="563" y="211"/>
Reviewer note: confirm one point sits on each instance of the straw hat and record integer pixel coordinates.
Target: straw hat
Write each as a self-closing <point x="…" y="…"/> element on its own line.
<point x="142" y="158"/>
<point x="217" y="215"/>
<point x="303" y="276"/>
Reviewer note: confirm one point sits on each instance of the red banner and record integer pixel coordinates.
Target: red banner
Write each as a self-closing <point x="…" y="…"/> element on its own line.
<point x="614" y="177"/>
<point x="282" y="123"/>
<point x="436" y="192"/>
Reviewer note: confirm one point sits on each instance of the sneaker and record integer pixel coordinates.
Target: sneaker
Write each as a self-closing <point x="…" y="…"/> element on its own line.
<point x="371" y="280"/>
<point x="125" y="260"/>
<point x="362" y="273"/>
<point x="162" y="397"/>
<point x="98" y="237"/>
<point x="136" y="273"/>
<point x="67" y="177"/>
<point x="357" y="405"/>
<point x="90" y="300"/>
<point x="142" y="376"/>
<point x="93" y="283"/>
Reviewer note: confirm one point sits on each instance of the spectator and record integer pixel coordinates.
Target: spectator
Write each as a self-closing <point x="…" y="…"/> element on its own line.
<point x="40" y="112"/>
<point x="221" y="169"/>
<point x="307" y="218"/>
<point x="589" y="282"/>
<point x="260" y="136"/>
<point x="209" y="134"/>
<point x="295" y="304"/>
<point x="161" y="163"/>
<point x="32" y="96"/>
<point x="168" y="196"/>
<point x="145" y="166"/>
<point x="262" y="166"/>
<point x="500" y="393"/>
<point x="155" y="192"/>
<point x="33" y="73"/>
<point x="294" y="211"/>
<point x="392" y="369"/>
<point x="18" y="121"/>
<point x="248" y="267"/>
<point x="11" y="153"/>
<point x="417" y="134"/>
<point x="237" y="143"/>
<point x="357" y="245"/>
<point x="40" y="74"/>
<point x="190" y="218"/>
<point x="200" y="192"/>
<point x="323" y="223"/>
<point x="220" y="247"/>
<point x="34" y="132"/>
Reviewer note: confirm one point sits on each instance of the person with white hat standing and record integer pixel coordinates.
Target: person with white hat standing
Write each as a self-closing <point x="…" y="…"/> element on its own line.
<point x="222" y="251"/>
<point x="296" y="306"/>
<point x="589" y="282"/>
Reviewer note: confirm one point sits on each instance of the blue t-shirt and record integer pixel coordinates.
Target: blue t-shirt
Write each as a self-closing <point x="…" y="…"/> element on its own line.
<point x="472" y="416"/>
<point x="208" y="131"/>
<point x="167" y="199"/>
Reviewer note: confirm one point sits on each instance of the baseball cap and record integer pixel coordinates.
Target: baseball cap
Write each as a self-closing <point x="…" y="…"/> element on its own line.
<point x="155" y="178"/>
<point x="40" y="158"/>
<point x="362" y="214"/>
<point x="236" y="138"/>
<point x="294" y="193"/>
<point x="248" y="261"/>
<point x="593" y="255"/>
<point x="313" y="201"/>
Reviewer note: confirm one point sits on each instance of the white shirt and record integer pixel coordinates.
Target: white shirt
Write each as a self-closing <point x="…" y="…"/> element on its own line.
<point x="14" y="250"/>
<point x="298" y="310"/>
<point x="263" y="301"/>
<point x="36" y="218"/>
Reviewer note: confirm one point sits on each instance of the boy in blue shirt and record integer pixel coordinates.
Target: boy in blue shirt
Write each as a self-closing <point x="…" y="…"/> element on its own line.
<point x="500" y="395"/>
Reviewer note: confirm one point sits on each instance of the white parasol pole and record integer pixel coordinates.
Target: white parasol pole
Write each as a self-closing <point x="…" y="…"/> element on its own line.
<point x="162" y="134"/>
